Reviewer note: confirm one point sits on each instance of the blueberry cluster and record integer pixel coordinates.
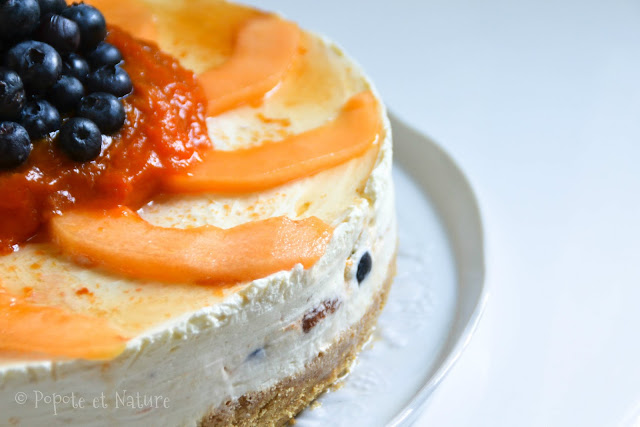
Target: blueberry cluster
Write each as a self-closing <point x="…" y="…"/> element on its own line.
<point x="57" y="74"/>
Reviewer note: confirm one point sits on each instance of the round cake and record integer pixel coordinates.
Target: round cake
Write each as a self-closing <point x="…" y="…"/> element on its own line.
<point x="225" y="256"/>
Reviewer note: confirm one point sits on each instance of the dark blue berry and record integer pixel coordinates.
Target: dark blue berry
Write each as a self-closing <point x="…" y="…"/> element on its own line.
<point x="18" y="18"/>
<point x="104" y="54"/>
<point x="15" y="145"/>
<point x="76" y="66"/>
<point x="80" y="139"/>
<point x="12" y="95"/>
<point x="110" y="79"/>
<point x="40" y="118"/>
<point x="37" y="63"/>
<point x="104" y="109"/>
<point x="93" y="28"/>
<point x="59" y="32"/>
<point x="51" y="6"/>
<point x="364" y="267"/>
<point x="66" y="93"/>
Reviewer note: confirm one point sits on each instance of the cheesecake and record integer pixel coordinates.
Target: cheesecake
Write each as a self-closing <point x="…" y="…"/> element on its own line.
<point x="226" y="274"/>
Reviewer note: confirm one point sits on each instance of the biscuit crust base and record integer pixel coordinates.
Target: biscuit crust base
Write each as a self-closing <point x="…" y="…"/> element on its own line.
<point x="282" y="402"/>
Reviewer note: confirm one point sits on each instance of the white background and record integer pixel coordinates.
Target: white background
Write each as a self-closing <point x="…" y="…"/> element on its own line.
<point x="539" y="103"/>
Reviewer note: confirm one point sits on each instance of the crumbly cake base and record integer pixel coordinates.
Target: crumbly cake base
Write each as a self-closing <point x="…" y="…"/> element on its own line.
<point x="282" y="402"/>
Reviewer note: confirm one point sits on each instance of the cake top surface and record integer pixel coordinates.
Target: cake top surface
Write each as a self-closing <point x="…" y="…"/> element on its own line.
<point x="311" y="96"/>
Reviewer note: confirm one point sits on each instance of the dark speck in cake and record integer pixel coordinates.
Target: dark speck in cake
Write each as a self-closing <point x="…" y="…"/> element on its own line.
<point x="258" y="353"/>
<point x="364" y="267"/>
<point x="314" y="316"/>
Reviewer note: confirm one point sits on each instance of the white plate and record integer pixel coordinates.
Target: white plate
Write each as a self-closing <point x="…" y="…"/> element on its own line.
<point x="435" y="303"/>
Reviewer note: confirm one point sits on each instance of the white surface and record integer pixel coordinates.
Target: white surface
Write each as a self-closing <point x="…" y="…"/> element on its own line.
<point x="436" y="300"/>
<point x="539" y="102"/>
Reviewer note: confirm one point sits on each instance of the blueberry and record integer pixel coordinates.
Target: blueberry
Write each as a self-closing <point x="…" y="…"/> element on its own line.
<point x="104" y="54"/>
<point x="104" y="109"/>
<point x="111" y="79"/>
<point x="364" y="267"/>
<point x="66" y="93"/>
<point x="93" y="28"/>
<point x="76" y="66"/>
<point x="15" y="145"/>
<point x="18" y="18"/>
<point x="12" y="95"/>
<point x="80" y="139"/>
<point x="51" y="6"/>
<point x="37" y="63"/>
<point x="40" y="118"/>
<point x="61" y="33"/>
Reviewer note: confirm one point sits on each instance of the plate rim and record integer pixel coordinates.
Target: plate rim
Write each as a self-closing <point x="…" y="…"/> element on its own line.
<point x="403" y="131"/>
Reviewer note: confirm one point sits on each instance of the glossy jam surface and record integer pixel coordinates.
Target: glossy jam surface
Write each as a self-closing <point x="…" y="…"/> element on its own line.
<point x="165" y="130"/>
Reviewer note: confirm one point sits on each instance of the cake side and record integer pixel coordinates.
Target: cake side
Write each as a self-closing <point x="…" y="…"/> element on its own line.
<point x="280" y="403"/>
<point x="267" y="310"/>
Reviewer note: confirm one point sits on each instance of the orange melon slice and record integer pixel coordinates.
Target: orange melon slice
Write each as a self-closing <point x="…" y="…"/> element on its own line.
<point x="264" y="51"/>
<point x="123" y="243"/>
<point x="351" y="134"/>
<point x="30" y="328"/>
